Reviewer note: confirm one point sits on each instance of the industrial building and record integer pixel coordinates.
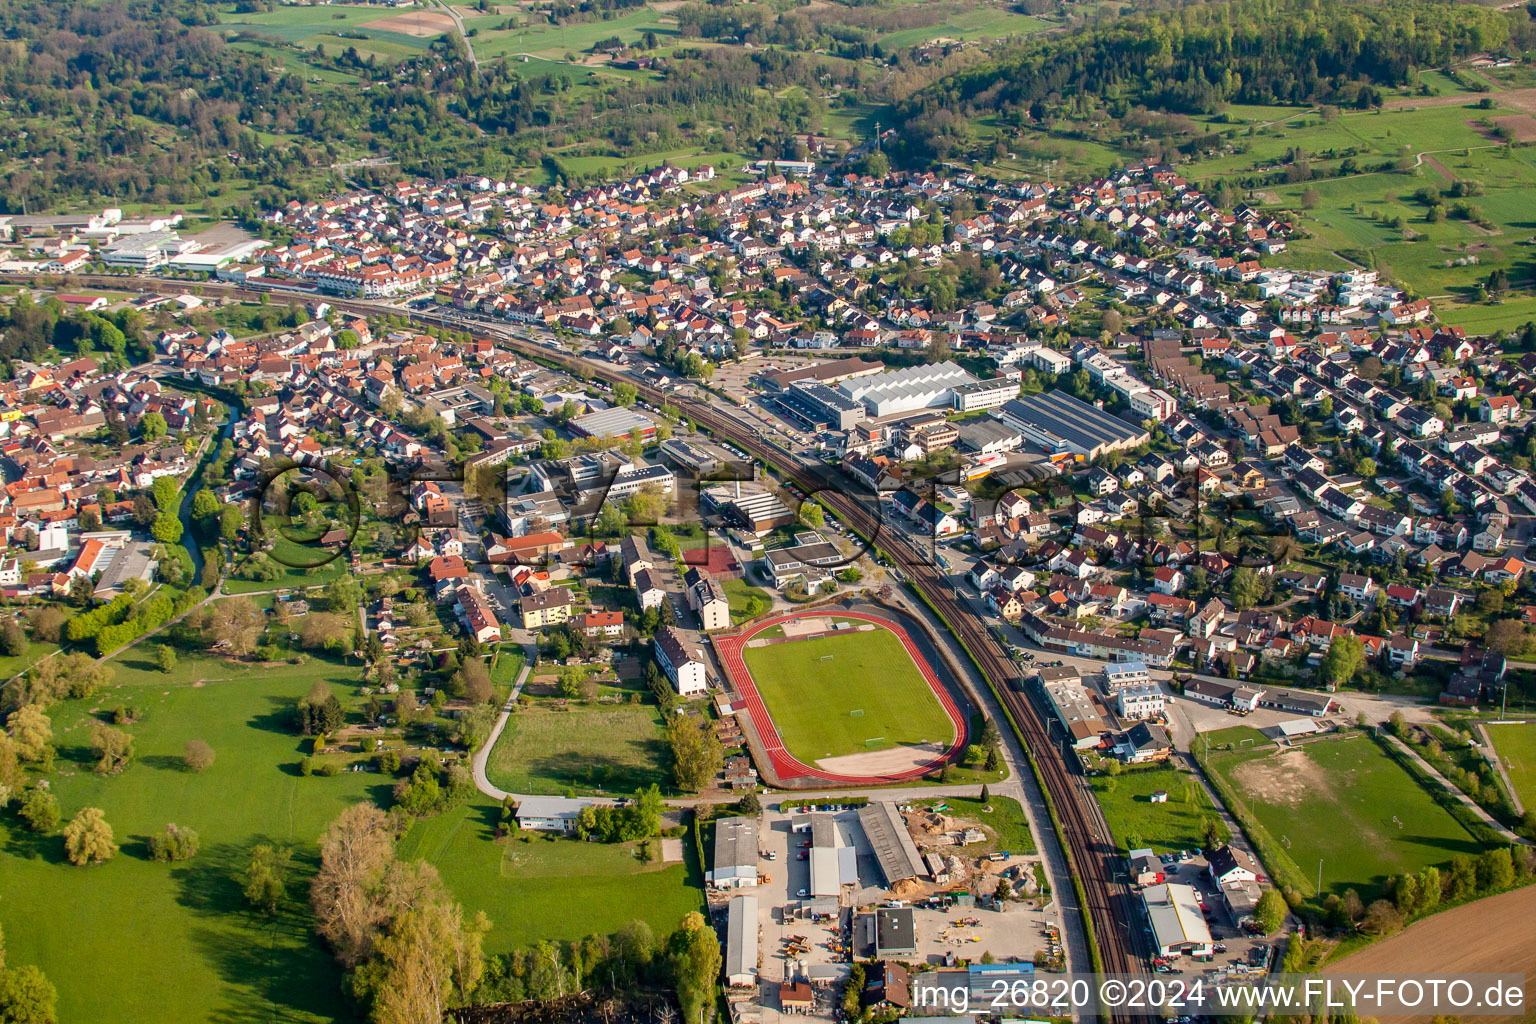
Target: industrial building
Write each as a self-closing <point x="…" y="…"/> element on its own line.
<point x="833" y="863"/>
<point x="1177" y="924"/>
<point x="830" y="371"/>
<point x="894" y="850"/>
<point x="1061" y="424"/>
<point x="751" y="509"/>
<point x="735" y="854"/>
<point x="908" y="389"/>
<point x="741" y="930"/>
<point x="615" y="422"/>
<point x="988" y="437"/>
<point x="984" y="394"/>
<point x="889" y="931"/>
<point x="816" y="406"/>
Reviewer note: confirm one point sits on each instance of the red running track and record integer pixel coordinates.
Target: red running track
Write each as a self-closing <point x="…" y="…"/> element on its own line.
<point x="786" y="765"/>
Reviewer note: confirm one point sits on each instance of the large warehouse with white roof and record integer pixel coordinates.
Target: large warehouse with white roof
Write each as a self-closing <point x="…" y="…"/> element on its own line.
<point x="908" y="389"/>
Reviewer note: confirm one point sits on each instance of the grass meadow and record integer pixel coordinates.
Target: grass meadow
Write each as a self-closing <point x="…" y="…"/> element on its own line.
<point x="1136" y="822"/>
<point x="133" y="940"/>
<point x="608" y="749"/>
<point x="536" y="887"/>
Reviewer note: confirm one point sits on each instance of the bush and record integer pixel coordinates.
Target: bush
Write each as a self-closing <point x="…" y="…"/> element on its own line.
<point x="173" y="844"/>
<point x="198" y="756"/>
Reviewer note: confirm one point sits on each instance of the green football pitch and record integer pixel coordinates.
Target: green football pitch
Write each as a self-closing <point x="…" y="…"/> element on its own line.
<point x="846" y="694"/>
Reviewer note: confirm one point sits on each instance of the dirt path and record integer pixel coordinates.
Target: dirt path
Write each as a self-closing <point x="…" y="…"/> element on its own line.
<point x="1495" y="935"/>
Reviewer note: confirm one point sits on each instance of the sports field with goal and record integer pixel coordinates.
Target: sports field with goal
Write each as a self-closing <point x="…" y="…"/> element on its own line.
<point x="847" y="693"/>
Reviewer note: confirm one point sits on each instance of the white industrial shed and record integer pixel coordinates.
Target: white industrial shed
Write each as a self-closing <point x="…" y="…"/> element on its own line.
<point x="735" y="854"/>
<point x="740" y="966"/>
<point x="907" y="389"/>
<point x="1177" y="924"/>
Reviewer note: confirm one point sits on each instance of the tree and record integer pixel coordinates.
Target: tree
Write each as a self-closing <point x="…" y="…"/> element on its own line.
<point x="975" y="754"/>
<point x="1247" y="588"/>
<point x="429" y="959"/>
<point x="986" y="797"/>
<point x="696" y="753"/>
<point x="166" y="528"/>
<point x="265" y="878"/>
<point x="198" y="755"/>
<point x="1366" y="467"/>
<point x="811" y="515"/>
<point x="1510" y="637"/>
<point x="609" y="522"/>
<point x="152" y="426"/>
<point x="473" y="682"/>
<point x="355" y="851"/>
<point x="113" y="748"/>
<point x="1345" y="656"/>
<point x="47" y="624"/>
<point x="88" y="838"/>
<point x="40" y="810"/>
<point x="174" y="843"/>
<point x="26" y="995"/>
<point x="13" y="639"/>
<point x="694" y="964"/>
<point x="165" y="657"/>
<point x="625" y="394"/>
<point x="1381" y="918"/>
<point x="1269" y="913"/>
<point x="32" y="732"/>
<point x="319" y="712"/>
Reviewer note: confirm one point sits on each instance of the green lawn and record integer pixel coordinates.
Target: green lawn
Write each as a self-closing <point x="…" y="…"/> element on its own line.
<point x="1516" y="745"/>
<point x="745" y="599"/>
<point x="812" y="699"/>
<point x="607" y="749"/>
<point x="548" y="888"/>
<point x="133" y="940"/>
<point x="1346" y="803"/>
<point x="1136" y="822"/>
<point x="14" y="664"/>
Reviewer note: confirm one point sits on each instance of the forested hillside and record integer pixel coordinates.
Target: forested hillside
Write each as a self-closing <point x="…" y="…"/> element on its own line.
<point x="1195" y="58"/>
<point x="145" y="101"/>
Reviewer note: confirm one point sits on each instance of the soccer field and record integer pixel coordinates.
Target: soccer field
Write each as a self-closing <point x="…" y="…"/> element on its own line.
<point x="1344" y="802"/>
<point x="1516" y="745"/>
<point x="846" y="694"/>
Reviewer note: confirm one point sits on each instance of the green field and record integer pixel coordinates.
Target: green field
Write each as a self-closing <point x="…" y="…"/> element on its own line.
<point x="1346" y="803"/>
<point x="548" y="888"/>
<point x="133" y="940"/>
<point x="1516" y="745"/>
<point x="546" y="40"/>
<point x="744" y="598"/>
<point x="608" y="749"/>
<point x="1136" y="822"/>
<point x="304" y="24"/>
<point x="869" y="671"/>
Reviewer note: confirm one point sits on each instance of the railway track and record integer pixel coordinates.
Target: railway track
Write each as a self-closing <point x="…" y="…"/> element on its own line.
<point x="1108" y="907"/>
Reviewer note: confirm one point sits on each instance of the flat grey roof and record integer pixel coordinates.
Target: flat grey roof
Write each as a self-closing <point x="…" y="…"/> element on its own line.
<point x="736" y="843"/>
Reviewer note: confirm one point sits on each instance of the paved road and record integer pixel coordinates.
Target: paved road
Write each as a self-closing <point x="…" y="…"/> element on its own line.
<point x="477" y="766"/>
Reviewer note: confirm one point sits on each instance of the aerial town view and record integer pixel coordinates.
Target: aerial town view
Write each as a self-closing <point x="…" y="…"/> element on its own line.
<point x="722" y="511"/>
